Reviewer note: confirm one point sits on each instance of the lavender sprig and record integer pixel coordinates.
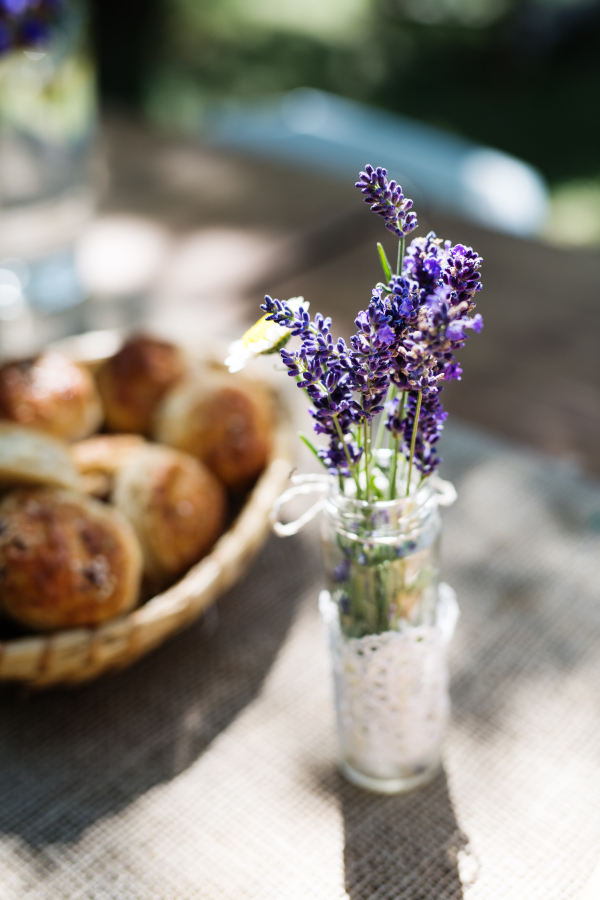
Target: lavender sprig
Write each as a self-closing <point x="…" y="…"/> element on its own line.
<point x="403" y="351"/>
<point x="424" y="262"/>
<point x="370" y="357"/>
<point x="387" y="200"/>
<point x="322" y="368"/>
<point x="461" y="274"/>
<point x="426" y="355"/>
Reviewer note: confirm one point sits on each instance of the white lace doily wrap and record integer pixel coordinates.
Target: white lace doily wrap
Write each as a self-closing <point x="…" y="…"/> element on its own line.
<point x="391" y="692"/>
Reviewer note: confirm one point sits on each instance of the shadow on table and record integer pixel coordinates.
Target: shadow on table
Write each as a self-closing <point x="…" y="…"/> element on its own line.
<point x="68" y="758"/>
<point x="401" y="847"/>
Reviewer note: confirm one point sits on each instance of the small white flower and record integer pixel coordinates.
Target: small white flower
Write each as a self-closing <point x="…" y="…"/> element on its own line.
<point x="262" y="337"/>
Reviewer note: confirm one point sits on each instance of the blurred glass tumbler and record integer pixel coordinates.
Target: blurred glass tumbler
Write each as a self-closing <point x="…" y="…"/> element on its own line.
<point x="47" y="133"/>
<point x="389" y="622"/>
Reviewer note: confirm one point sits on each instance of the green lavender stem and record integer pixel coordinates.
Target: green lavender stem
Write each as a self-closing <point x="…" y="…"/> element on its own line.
<point x="395" y="451"/>
<point x="367" y="446"/>
<point x="400" y="256"/>
<point x="392" y="390"/>
<point x="394" y="469"/>
<point x="413" y="441"/>
<point x="348" y="458"/>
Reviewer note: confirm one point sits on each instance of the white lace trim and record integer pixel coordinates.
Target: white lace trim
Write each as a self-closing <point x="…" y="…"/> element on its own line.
<point x="392" y="692"/>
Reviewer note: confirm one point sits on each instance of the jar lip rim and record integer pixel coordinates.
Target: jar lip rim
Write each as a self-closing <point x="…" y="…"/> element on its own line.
<point x="416" y="500"/>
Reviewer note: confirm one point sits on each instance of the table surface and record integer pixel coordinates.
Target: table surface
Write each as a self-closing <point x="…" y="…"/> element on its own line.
<point x="208" y="769"/>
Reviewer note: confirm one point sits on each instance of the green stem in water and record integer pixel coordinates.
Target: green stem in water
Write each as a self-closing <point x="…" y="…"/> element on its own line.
<point x="413" y="441"/>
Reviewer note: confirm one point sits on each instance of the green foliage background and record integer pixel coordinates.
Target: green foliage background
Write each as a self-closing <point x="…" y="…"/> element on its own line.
<point x="521" y="76"/>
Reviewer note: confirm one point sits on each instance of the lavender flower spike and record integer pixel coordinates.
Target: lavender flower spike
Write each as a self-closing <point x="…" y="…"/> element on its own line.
<point x="387" y="200"/>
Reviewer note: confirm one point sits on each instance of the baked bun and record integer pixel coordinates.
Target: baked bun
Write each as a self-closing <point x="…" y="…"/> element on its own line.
<point x="52" y="394"/>
<point x="175" y="505"/>
<point x="98" y="459"/>
<point x="134" y="380"/>
<point x="29" y="457"/>
<point x="66" y="560"/>
<point x="223" y="420"/>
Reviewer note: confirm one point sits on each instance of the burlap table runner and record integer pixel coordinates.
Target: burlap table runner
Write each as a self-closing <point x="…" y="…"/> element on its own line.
<point x="207" y="770"/>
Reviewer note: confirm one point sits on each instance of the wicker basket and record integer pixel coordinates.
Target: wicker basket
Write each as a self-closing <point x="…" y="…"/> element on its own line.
<point x="81" y="654"/>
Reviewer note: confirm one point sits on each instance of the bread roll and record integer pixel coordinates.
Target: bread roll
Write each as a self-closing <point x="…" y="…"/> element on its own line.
<point x="66" y="560"/>
<point x="134" y="380"/>
<point x="175" y="505"/>
<point x="52" y="394"/>
<point x="98" y="459"/>
<point x="31" y="457"/>
<point x="223" y="420"/>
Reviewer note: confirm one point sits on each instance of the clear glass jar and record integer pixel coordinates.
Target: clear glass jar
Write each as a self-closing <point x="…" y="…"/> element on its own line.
<point x="389" y="622"/>
<point x="385" y="610"/>
<point x="382" y="560"/>
<point x="47" y="160"/>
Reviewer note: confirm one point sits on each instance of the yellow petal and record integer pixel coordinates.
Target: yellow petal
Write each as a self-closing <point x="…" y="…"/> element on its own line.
<point x="258" y="332"/>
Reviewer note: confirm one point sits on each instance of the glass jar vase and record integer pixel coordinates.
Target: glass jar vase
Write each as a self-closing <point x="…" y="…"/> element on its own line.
<point x="389" y="621"/>
<point x="47" y="170"/>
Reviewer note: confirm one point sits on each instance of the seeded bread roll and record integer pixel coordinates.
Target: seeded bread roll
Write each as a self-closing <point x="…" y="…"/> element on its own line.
<point x="52" y="394"/>
<point x="66" y="560"/>
<point x="29" y="457"/>
<point x="175" y="505"/>
<point x="223" y="420"/>
<point x="99" y="458"/>
<point x="134" y="380"/>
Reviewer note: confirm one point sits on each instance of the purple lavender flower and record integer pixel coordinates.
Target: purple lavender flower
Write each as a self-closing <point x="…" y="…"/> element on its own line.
<point x="370" y="357"/>
<point x="323" y="369"/>
<point x="15" y="7"/>
<point x="424" y="262"/>
<point x="461" y="274"/>
<point x="387" y="200"/>
<point x="453" y="371"/>
<point x="26" y="23"/>
<point x="417" y="364"/>
<point x="426" y="354"/>
<point x="403" y="302"/>
<point x="407" y="337"/>
<point x="341" y="571"/>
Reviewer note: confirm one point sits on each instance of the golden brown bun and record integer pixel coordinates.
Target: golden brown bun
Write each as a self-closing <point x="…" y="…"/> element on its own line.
<point x="52" y="394"/>
<point x="31" y="457"/>
<point x="66" y="560"/>
<point x="176" y="506"/>
<point x="223" y="420"/>
<point x="134" y="380"/>
<point x="98" y="459"/>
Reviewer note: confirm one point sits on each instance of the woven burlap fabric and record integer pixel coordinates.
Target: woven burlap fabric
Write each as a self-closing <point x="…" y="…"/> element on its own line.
<point x="207" y="770"/>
